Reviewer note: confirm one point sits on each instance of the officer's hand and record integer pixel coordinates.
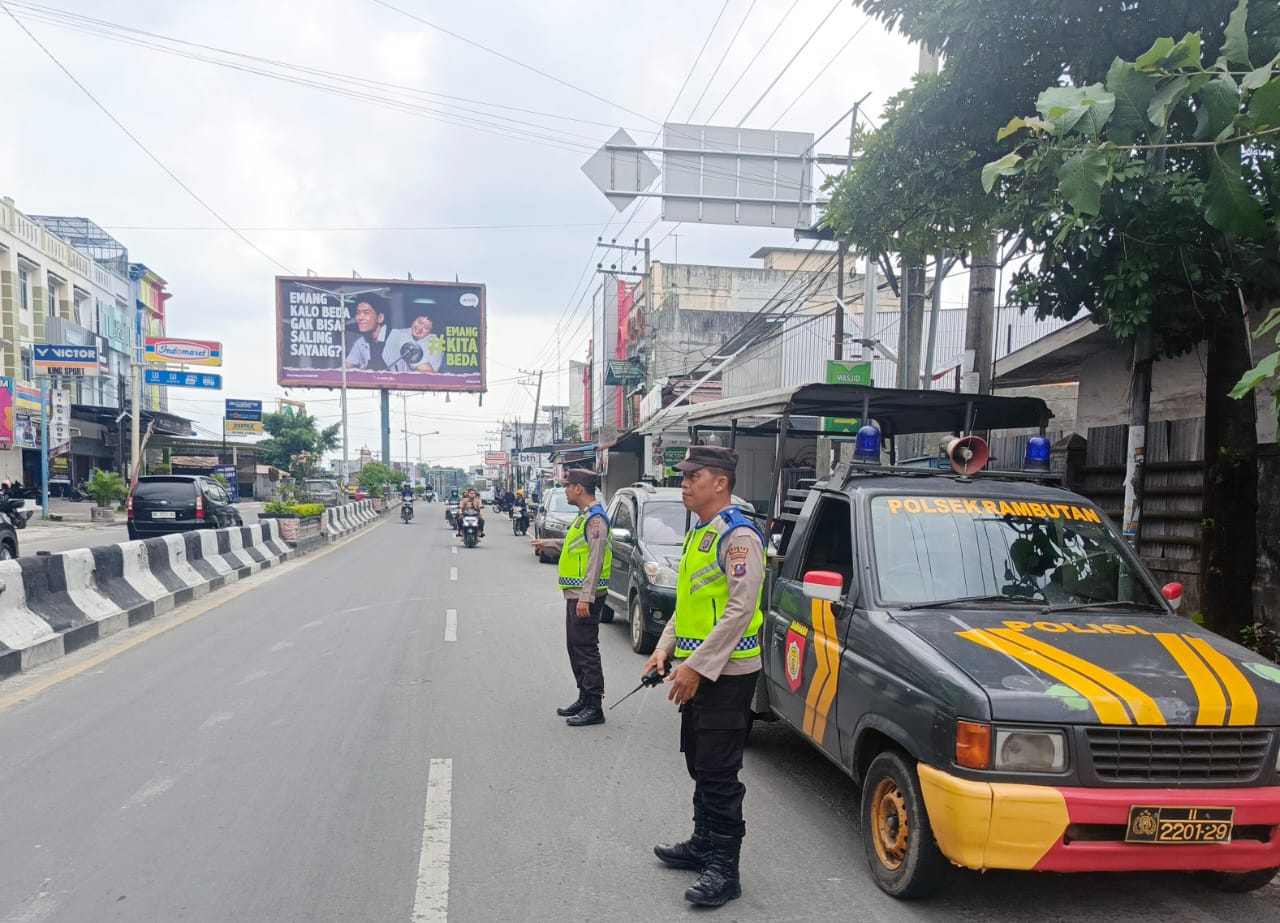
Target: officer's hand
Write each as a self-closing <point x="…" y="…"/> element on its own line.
<point x="684" y="685"/>
<point x="584" y="609"/>
<point x="537" y="545"/>
<point x="657" y="661"/>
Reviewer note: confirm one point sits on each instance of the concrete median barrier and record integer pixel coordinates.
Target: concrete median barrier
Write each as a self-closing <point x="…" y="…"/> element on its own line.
<point x="50" y="605"/>
<point x="339" y="521"/>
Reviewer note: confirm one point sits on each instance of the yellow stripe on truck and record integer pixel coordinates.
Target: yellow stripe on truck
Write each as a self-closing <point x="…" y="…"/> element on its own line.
<point x="1213" y="704"/>
<point x="1144" y="708"/>
<point x="1244" y="701"/>
<point x="1109" y="708"/>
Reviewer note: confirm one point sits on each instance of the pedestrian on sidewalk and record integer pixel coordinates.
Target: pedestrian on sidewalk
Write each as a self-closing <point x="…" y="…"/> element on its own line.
<point x="714" y="638"/>
<point x="586" y="558"/>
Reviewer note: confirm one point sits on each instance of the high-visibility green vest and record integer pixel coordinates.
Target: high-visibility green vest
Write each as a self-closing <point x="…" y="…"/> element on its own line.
<point x="702" y="589"/>
<point x="576" y="552"/>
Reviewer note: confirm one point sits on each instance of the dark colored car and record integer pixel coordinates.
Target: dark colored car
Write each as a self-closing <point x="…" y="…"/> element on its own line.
<point x="323" y="490"/>
<point x="554" y="516"/>
<point x="649" y="524"/>
<point x="163" y="504"/>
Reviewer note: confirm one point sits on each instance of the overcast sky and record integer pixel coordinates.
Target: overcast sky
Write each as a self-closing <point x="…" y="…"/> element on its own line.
<point x="284" y="162"/>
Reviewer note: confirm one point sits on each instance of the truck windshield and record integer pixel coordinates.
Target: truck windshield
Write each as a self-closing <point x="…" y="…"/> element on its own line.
<point x="930" y="548"/>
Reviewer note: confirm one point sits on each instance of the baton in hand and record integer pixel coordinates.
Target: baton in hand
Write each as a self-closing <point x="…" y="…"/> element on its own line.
<point x="652" y="678"/>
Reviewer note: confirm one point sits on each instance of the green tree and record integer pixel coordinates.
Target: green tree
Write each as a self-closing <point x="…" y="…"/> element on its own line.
<point x="1153" y="199"/>
<point x="293" y="435"/>
<point x="572" y="432"/>
<point x="375" y="475"/>
<point x="106" y="487"/>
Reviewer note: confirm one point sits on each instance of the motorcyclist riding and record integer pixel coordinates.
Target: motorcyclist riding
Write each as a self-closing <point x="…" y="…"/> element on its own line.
<point x="472" y="502"/>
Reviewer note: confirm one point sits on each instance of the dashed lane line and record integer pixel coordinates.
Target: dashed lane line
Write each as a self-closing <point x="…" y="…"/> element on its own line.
<point x="451" y="625"/>
<point x="431" y="898"/>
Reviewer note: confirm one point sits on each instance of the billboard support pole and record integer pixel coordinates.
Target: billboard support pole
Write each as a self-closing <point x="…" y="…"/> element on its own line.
<point x="386" y="427"/>
<point x="346" y="475"/>
<point x="44" y="447"/>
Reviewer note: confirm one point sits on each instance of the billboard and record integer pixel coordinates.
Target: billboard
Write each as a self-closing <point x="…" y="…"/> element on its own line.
<point x="404" y="336"/>
<point x="242" y="427"/>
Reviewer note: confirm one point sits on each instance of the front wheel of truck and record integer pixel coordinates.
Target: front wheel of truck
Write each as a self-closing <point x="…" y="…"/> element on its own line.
<point x="1238" y="882"/>
<point x="896" y="836"/>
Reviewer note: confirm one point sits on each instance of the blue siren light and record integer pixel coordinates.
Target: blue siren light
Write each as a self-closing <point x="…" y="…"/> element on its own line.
<point x="1037" y="457"/>
<point x="866" y="448"/>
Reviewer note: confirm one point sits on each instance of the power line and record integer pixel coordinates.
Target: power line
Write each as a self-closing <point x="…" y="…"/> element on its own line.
<point x="720" y="63"/>
<point x="362" y="230"/>
<point x="787" y="66"/>
<point x="132" y="137"/>
<point x="772" y="33"/>
<point x="696" y="60"/>
<point x="821" y="71"/>
<point x="505" y="57"/>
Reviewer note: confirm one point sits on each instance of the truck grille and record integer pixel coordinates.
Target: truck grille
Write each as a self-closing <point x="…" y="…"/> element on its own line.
<point x="1210" y="755"/>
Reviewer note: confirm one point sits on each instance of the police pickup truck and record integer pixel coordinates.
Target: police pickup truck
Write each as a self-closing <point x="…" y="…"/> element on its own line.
<point x="985" y="655"/>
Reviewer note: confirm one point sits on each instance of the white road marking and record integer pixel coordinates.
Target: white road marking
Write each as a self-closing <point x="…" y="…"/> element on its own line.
<point x="281" y="646"/>
<point x="215" y="719"/>
<point x="453" y="573"/>
<point x="152" y="790"/>
<point x="454" y="549"/>
<point x="252" y="677"/>
<point x="315" y="624"/>
<point x="451" y="625"/>
<point x="431" y="899"/>
<point x="40" y="908"/>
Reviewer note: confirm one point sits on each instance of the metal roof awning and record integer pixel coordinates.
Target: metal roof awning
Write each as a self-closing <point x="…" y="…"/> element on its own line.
<point x="898" y="412"/>
<point x="623" y="372"/>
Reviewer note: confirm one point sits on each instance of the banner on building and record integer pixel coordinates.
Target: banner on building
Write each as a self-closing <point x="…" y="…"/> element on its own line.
<point x="7" y="415"/>
<point x="27" y="415"/>
<point x="497" y="459"/>
<point x="183" y="352"/>
<point x="59" y="422"/>
<point x="405" y="336"/>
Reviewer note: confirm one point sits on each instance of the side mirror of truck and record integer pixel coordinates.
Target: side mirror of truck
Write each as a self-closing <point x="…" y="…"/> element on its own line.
<point x="1173" y="593"/>
<point x="823" y="584"/>
<point x="621" y="535"/>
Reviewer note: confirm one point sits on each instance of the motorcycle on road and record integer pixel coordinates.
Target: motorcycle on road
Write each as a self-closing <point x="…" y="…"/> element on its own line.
<point x="406" y="510"/>
<point x="520" y="518"/>
<point x="470" y="529"/>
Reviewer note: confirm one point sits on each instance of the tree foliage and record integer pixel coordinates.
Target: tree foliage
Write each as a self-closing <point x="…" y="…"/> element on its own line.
<point x="375" y="475"/>
<point x="296" y="441"/>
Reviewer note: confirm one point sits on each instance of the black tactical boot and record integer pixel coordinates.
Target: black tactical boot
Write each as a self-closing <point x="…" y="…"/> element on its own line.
<point x="570" y="710"/>
<point x="591" y="714"/>
<point x="718" y="884"/>
<point x="693" y="853"/>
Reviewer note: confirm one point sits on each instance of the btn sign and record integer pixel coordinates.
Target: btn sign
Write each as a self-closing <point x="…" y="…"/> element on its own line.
<point x="243" y="427"/>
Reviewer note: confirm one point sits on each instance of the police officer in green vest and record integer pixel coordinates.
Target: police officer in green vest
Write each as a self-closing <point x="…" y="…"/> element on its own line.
<point x="714" y="639"/>
<point x="586" y="559"/>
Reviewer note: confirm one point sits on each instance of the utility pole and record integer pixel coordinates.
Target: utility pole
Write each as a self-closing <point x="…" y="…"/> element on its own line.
<point x="911" y="327"/>
<point x="537" y="403"/>
<point x="841" y="250"/>
<point x="1140" y="413"/>
<point x="135" y="424"/>
<point x="979" y="333"/>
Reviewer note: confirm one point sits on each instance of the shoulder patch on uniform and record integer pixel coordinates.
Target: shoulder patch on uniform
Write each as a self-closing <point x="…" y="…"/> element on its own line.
<point x="739" y="552"/>
<point x="707" y="541"/>
<point x="595" y="529"/>
<point x="740" y="569"/>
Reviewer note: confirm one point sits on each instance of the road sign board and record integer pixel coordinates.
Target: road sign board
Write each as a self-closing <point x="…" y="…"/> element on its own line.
<point x="64" y="361"/>
<point x="243" y="410"/>
<point x="620" y="174"/>
<point x="840" y="372"/>
<point x="183" y="379"/>
<point x="185" y="352"/>
<point x="233" y="480"/>
<point x="242" y="427"/>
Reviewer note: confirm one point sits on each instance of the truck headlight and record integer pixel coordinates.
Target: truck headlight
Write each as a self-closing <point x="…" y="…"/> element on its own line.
<point x="660" y="574"/>
<point x="1023" y="750"/>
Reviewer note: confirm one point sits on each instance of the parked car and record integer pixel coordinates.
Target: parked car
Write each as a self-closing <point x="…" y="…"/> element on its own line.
<point x="648" y="524"/>
<point x="323" y="490"/>
<point x="166" y="503"/>
<point x="555" y="515"/>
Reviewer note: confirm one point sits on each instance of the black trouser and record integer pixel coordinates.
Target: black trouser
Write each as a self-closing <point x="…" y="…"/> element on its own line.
<point x="582" y="637"/>
<point x="713" y="733"/>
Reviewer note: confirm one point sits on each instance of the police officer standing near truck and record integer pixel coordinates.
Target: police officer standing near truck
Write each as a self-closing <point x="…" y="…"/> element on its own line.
<point x="586" y="559"/>
<point x="714" y="638"/>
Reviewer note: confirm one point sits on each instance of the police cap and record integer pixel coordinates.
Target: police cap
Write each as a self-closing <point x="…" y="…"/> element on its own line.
<point x="709" y="456"/>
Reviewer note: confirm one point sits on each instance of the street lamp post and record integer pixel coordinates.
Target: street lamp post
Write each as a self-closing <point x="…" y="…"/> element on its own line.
<point x="420" y="436"/>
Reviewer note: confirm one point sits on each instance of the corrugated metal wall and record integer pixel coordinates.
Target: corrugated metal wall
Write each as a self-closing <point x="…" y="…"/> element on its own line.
<point x="798" y="355"/>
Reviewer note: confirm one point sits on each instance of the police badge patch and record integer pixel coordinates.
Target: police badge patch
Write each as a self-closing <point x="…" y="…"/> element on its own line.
<point x="707" y="541"/>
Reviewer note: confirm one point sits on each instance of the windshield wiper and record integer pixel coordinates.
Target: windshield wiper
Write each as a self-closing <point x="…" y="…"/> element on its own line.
<point x="987" y="598"/>
<point x="1101" y="604"/>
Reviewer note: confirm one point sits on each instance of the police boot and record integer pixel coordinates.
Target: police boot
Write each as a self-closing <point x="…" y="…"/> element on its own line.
<point x="693" y="853"/>
<point x="718" y="884"/>
<point x="570" y="710"/>
<point x="591" y="714"/>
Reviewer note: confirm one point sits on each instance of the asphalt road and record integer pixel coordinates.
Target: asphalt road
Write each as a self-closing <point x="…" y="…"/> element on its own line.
<point x="368" y="734"/>
<point x="64" y="536"/>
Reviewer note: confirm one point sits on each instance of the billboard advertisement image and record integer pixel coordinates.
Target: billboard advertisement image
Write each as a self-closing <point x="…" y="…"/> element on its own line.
<point x="404" y="336"/>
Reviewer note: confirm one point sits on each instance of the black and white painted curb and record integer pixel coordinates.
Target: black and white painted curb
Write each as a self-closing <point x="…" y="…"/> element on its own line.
<point x="51" y="605"/>
<point x="341" y="520"/>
